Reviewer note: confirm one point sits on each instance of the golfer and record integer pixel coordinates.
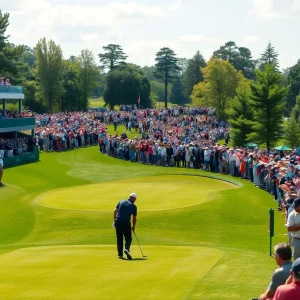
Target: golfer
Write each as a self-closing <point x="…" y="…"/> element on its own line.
<point x="122" y="218"/>
<point x="1" y="170"/>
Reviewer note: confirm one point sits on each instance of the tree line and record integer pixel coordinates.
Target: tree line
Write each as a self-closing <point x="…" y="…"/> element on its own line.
<point x="245" y="91"/>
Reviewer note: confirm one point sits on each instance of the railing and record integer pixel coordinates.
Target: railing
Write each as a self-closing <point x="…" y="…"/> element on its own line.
<point x="8" y="125"/>
<point x="11" y="89"/>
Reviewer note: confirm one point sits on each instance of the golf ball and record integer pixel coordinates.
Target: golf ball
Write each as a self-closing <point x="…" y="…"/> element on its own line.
<point x="128" y="189"/>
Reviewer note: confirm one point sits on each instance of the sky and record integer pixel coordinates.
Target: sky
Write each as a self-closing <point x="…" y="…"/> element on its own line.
<point x="143" y="27"/>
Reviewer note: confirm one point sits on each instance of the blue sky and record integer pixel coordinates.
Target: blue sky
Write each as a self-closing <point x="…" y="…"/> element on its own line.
<point x="143" y="27"/>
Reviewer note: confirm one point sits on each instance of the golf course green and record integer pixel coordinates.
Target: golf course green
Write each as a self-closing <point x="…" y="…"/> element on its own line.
<point x="155" y="192"/>
<point x="205" y="235"/>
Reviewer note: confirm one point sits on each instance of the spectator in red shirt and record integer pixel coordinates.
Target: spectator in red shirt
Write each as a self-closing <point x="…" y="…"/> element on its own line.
<point x="291" y="290"/>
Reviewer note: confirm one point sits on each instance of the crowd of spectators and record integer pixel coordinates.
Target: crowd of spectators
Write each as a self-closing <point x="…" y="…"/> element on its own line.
<point x="16" y="146"/>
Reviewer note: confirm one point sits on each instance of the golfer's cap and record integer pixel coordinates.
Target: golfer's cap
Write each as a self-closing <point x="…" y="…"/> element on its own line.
<point x="296" y="267"/>
<point x="296" y="202"/>
<point x="133" y="195"/>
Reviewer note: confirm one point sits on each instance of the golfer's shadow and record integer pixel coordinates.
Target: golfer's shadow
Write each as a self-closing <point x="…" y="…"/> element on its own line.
<point x="136" y="259"/>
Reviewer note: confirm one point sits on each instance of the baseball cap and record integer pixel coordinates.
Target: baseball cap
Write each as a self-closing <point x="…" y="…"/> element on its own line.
<point x="296" y="267"/>
<point x="133" y="195"/>
<point x="296" y="202"/>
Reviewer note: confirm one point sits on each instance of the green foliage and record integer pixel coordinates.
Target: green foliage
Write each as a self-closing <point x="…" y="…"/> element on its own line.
<point x="240" y="115"/>
<point x="292" y="133"/>
<point x="269" y="57"/>
<point x="268" y="103"/>
<point x="149" y="72"/>
<point x="239" y="57"/>
<point x="294" y="81"/>
<point x="49" y="71"/>
<point x="11" y="64"/>
<point x="88" y="77"/>
<point x="193" y="73"/>
<point x="177" y="93"/>
<point x="70" y="100"/>
<point x="167" y="69"/>
<point x="125" y="84"/>
<point x="112" y="57"/>
<point x="158" y="88"/>
<point x="220" y="83"/>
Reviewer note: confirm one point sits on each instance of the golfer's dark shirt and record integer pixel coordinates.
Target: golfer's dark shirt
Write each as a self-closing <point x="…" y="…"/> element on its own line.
<point x="126" y="208"/>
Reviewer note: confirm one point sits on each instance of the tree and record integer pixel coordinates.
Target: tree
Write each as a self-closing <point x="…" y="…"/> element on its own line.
<point x="244" y="62"/>
<point x="221" y="81"/>
<point x="125" y="84"/>
<point x="227" y="52"/>
<point x="158" y="88"/>
<point x="269" y="57"/>
<point x="112" y="57"/>
<point x="177" y="93"/>
<point x="293" y="79"/>
<point x="200" y="95"/>
<point x="182" y="64"/>
<point x="240" y="114"/>
<point x="239" y="57"/>
<point x="49" y="71"/>
<point x="71" y="98"/>
<point x="166" y="68"/>
<point x="11" y="64"/>
<point x="88" y="76"/>
<point x="268" y="103"/>
<point x="193" y="73"/>
<point x="292" y="133"/>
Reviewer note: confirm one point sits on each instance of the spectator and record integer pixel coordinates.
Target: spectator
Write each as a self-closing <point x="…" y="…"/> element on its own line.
<point x="283" y="256"/>
<point x="293" y="226"/>
<point x="290" y="291"/>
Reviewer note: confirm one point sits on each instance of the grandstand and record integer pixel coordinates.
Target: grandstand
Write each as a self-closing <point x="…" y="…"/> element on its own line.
<point x="15" y="127"/>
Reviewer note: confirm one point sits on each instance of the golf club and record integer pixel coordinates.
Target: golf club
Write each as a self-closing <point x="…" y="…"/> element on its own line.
<point x="139" y="244"/>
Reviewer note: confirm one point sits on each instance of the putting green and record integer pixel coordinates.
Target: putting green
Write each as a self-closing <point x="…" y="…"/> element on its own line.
<point x="154" y="193"/>
<point x="94" y="272"/>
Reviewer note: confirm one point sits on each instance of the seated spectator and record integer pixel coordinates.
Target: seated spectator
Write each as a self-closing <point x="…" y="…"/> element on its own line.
<point x="7" y="82"/>
<point x="283" y="256"/>
<point x="291" y="290"/>
<point x="2" y="82"/>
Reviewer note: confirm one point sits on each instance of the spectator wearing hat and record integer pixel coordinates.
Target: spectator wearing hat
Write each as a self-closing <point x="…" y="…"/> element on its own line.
<point x="293" y="226"/>
<point x="283" y="256"/>
<point x="122" y="222"/>
<point x="291" y="290"/>
<point x="1" y="170"/>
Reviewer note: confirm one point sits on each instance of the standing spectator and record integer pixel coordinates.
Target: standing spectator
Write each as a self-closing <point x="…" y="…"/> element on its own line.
<point x="283" y="256"/>
<point x="232" y="162"/>
<point x="293" y="226"/>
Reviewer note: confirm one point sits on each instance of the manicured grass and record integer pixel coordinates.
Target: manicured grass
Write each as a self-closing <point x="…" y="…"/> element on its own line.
<point x="234" y="222"/>
<point x="102" y="197"/>
<point x="82" y="272"/>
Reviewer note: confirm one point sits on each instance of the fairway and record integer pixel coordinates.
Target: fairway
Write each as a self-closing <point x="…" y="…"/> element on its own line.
<point x="155" y="192"/>
<point x="93" y="272"/>
<point x="205" y="237"/>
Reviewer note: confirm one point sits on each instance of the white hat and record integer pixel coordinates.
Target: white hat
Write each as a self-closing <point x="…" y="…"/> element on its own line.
<point x="133" y="195"/>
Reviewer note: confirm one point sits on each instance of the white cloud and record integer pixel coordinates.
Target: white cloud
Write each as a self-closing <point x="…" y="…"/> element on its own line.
<point x="196" y="38"/>
<point x="250" y="39"/>
<point x="264" y="9"/>
<point x="175" y="6"/>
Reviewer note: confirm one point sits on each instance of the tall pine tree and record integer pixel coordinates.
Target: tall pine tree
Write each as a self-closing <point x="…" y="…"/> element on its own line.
<point x="193" y="73"/>
<point x="240" y="114"/>
<point x="167" y="69"/>
<point x="269" y="57"/>
<point x="268" y="103"/>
